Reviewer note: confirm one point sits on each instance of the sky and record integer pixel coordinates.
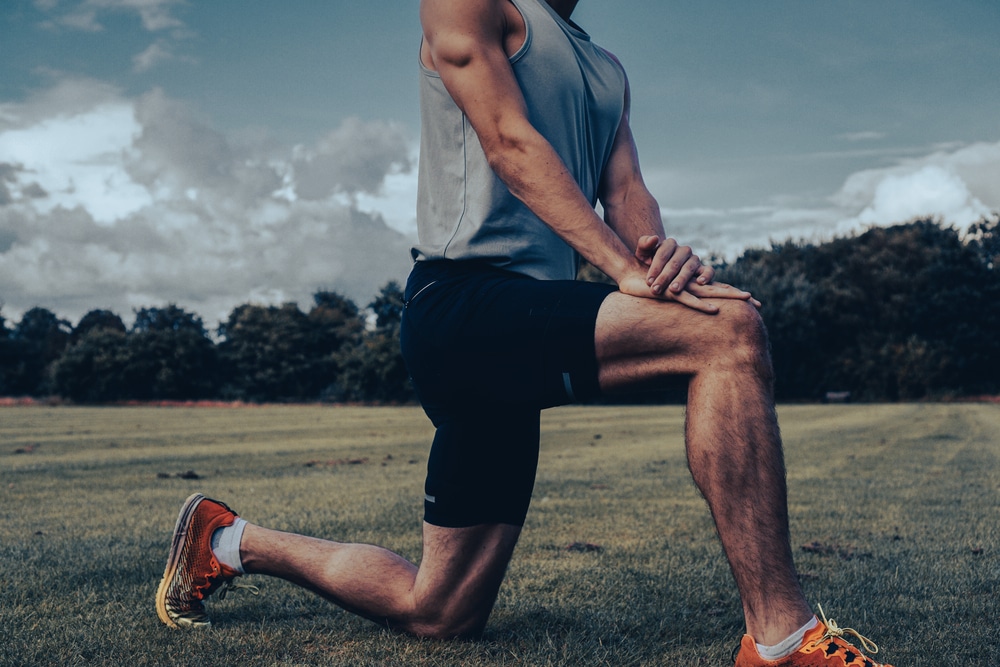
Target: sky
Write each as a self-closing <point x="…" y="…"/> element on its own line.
<point x="210" y="154"/>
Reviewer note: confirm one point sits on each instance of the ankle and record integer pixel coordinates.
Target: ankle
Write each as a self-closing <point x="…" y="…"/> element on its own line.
<point x="789" y="644"/>
<point x="226" y="545"/>
<point x="775" y="629"/>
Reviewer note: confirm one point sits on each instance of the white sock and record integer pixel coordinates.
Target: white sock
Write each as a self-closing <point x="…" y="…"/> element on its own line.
<point x="789" y="645"/>
<point x="226" y="544"/>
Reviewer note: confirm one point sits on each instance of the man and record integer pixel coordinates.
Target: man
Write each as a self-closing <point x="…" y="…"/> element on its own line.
<point x="526" y="127"/>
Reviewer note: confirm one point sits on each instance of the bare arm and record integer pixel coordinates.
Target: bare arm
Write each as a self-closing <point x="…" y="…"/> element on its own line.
<point x="464" y="40"/>
<point x="673" y="270"/>
<point x="633" y="213"/>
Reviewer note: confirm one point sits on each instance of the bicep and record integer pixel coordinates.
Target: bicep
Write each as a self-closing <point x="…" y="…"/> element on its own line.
<point x="465" y="43"/>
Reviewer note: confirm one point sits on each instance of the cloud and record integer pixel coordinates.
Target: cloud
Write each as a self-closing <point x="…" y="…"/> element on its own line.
<point x="123" y="202"/>
<point x="75" y="160"/>
<point x="866" y="135"/>
<point x="930" y="191"/>
<point x="155" y="15"/>
<point x="158" y="52"/>
<point x="726" y="232"/>
<point x="354" y="158"/>
<point x="956" y="184"/>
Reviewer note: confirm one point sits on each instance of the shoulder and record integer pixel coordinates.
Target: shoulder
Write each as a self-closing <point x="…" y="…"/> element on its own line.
<point x="464" y="16"/>
<point x="457" y="30"/>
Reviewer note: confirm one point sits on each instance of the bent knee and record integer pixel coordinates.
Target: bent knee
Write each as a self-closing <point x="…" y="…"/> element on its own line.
<point x="450" y="627"/>
<point x="743" y="336"/>
<point x="741" y="323"/>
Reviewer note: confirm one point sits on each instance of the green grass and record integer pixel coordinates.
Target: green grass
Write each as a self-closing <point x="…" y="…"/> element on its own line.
<point x="899" y="505"/>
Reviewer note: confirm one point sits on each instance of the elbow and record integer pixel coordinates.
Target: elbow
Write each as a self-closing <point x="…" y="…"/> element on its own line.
<point x="503" y="148"/>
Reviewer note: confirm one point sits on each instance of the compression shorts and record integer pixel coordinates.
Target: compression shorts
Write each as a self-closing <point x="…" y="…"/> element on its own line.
<point x="487" y="350"/>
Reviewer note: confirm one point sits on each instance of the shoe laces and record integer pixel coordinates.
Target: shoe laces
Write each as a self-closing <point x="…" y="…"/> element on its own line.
<point x="834" y="630"/>
<point x="230" y="585"/>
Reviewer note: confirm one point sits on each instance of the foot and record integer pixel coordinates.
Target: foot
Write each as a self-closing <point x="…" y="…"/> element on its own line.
<point x="193" y="572"/>
<point x="823" y="646"/>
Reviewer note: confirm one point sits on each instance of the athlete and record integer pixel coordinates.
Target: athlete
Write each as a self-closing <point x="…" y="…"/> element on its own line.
<point x="525" y="128"/>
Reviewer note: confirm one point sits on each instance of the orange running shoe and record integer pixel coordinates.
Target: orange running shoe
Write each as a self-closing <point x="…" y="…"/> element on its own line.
<point x="193" y="572"/>
<point x="823" y="646"/>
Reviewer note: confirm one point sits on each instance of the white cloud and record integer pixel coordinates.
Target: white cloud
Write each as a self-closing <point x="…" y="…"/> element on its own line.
<point x="957" y="184"/>
<point x="865" y="135"/>
<point x="155" y="14"/>
<point x="124" y="203"/>
<point x="930" y="191"/>
<point x="77" y="161"/>
<point x="396" y="199"/>
<point x="352" y="159"/>
<point x="158" y="52"/>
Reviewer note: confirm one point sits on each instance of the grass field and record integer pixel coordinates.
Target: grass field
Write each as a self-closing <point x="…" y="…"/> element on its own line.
<point x="895" y="523"/>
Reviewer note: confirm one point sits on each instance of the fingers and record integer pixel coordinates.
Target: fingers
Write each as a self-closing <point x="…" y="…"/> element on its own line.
<point x="646" y="248"/>
<point x="721" y="291"/>
<point x="673" y="267"/>
<point x="674" y="272"/>
<point x="685" y="298"/>
<point x="694" y="297"/>
<point x="706" y="275"/>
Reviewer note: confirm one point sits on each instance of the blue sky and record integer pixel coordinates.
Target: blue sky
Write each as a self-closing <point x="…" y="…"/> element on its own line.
<point x="213" y="153"/>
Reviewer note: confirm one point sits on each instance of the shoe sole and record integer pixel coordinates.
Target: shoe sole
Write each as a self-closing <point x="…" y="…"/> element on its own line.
<point x="176" y="546"/>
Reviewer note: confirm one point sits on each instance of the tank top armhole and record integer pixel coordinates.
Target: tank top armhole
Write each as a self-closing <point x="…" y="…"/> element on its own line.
<point x="527" y="33"/>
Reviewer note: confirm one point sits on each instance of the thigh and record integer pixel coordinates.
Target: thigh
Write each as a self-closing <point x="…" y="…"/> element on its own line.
<point x="642" y="343"/>
<point x="487" y="350"/>
<point x="474" y="335"/>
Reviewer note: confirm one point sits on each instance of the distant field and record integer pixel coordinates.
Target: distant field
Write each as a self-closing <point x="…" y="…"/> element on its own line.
<point x="895" y="521"/>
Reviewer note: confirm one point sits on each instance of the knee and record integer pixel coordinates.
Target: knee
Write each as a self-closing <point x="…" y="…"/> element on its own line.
<point x="450" y="626"/>
<point x="744" y="335"/>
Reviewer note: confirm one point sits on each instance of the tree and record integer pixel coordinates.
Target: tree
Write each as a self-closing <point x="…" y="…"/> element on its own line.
<point x="97" y="319"/>
<point x="169" y="356"/>
<point x="8" y="357"/>
<point x="336" y="322"/>
<point x="388" y="306"/>
<point x="38" y="341"/>
<point x="280" y="353"/>
<point x="169" y="318"/>
<point x="373" y="369"/>
<point x="96" y="368"/>
<point x="984" y="238"/>
<point x="906" y="311"/>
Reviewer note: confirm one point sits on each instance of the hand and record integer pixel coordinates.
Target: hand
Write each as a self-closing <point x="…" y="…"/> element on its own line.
<point x="671" y="263"/>
<point x="671" y="266"/>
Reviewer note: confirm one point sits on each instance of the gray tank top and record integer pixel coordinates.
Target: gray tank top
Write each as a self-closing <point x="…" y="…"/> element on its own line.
<point x="575" y="94"/>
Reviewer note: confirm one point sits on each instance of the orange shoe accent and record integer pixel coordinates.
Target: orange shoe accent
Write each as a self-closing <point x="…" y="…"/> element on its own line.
<point x="823" y="646"/>
<point x="193" y="572"/>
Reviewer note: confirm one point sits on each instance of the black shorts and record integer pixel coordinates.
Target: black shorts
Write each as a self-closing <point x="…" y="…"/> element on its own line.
<point x="487" y="350"/>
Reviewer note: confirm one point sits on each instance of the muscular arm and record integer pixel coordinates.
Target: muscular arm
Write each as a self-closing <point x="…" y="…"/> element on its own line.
<point x="465" y="39"/>
<point x="632" y="212"/>
<point x="464" y="42"/>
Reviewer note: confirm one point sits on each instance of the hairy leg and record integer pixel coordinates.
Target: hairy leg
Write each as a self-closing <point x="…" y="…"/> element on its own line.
<point x="450" y="594"/>
<point x="733" y="443"/>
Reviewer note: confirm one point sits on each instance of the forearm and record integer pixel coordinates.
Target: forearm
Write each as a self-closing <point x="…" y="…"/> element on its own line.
<point x="634" y="215"/>
<point x="534" y="173"/>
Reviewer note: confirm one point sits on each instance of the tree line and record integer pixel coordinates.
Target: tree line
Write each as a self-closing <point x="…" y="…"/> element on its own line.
<point x="332" y="352"/>
<point x="904" y="312"/>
